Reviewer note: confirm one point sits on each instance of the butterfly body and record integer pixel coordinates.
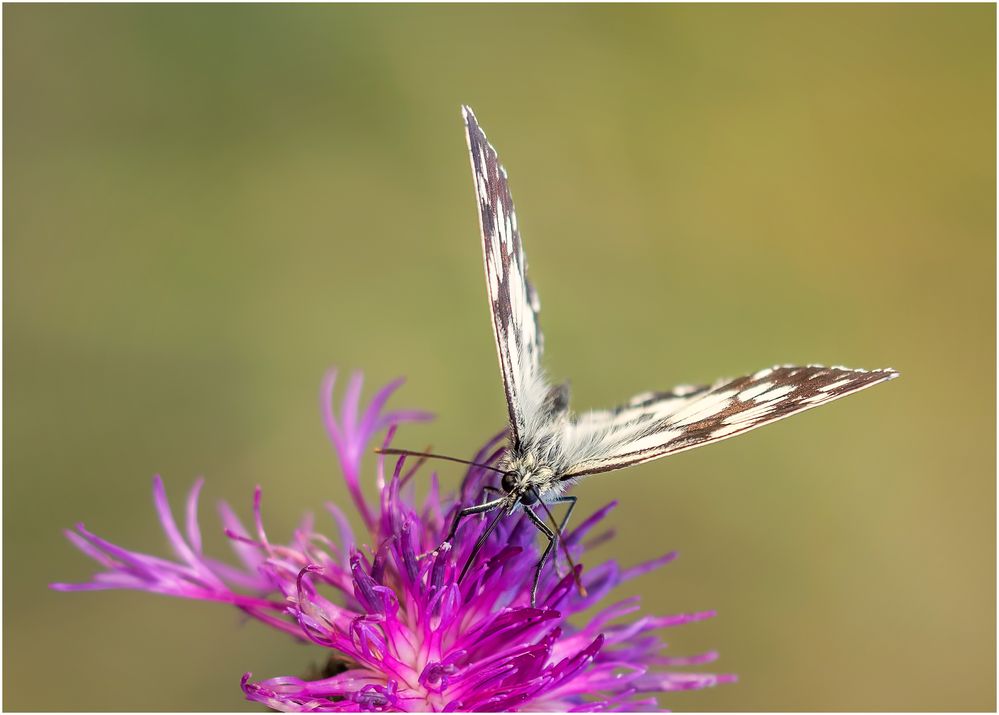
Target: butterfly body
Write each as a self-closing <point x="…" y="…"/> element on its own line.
<point x="549" y="447"/>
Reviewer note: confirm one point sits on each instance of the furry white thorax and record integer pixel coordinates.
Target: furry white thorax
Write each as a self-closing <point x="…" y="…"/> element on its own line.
<point x="533" y="473"/>
<point x="554" y="444"/>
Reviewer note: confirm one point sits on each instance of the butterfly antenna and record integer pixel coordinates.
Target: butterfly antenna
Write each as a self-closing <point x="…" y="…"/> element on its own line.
<point x="565" y="548"/>
<point x="428" y="455"/>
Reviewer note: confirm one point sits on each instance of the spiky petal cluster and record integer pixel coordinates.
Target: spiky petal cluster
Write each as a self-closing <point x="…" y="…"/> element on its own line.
<point x="400" y="632"/>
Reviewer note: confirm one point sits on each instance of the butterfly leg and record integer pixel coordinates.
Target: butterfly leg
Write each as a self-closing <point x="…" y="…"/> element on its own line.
<point x="571" y="501"/>
<point x="469" y="511"/>
<point x="478" y="545"/>
<point x="552" y="543"/>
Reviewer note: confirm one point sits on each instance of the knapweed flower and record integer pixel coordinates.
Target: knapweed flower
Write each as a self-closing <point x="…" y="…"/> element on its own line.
<point x="399" y="631"/>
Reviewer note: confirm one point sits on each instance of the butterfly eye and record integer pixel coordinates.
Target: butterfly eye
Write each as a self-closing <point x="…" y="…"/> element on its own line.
<point x="528" y="497"/>
<point x="509" y="482"/>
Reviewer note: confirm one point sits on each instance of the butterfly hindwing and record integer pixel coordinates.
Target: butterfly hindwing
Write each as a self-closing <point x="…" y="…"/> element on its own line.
<point x="513" y="302"/>
<point x="653" y="426"/>
<point x="643" y="407"/>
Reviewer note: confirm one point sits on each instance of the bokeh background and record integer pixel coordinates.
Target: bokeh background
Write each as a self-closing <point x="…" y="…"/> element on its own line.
<point x="208" y="206"/>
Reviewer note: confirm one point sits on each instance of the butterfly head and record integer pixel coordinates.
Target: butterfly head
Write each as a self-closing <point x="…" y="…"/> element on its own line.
<point x="526" y="480"/>
<point x="520" y="490"/>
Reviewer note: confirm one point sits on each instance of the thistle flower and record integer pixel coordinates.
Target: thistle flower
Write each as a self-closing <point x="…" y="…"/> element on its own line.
<point x="400" y="631"/>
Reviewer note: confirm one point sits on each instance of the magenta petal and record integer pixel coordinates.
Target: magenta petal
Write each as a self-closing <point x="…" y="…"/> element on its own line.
<point x="252" y="558"/>
<point x="647" y="566"/>
<point x="326" y="405"/>
<point x="348" y="410"/>
<point x="579" y="533"/>
<point x="346" y="533"/>
<point x="90" y="550"/>
<point x="193" y="530"/>
<point x="371" y="415"/>
<point x="177" y="542"/>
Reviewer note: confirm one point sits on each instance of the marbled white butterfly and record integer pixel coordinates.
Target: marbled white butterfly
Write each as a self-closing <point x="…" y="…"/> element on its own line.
<point x="550" y="447"/>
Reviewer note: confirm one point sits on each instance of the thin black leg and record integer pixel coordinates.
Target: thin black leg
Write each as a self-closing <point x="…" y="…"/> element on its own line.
<point x="568" y="556"/>
<point x="560" y="527"/>
<point x="468" y="511"/>
<point x="571" y="500"/>
<point x="478" y="545"/>
<point x="552" y="543"/>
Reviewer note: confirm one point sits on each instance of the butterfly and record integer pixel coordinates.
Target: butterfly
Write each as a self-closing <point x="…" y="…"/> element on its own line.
<point x="550" y="447"/>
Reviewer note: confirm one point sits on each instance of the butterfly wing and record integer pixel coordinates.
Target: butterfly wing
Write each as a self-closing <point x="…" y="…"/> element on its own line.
<point x="654" y="425"/>
<point x="513" y="302"/>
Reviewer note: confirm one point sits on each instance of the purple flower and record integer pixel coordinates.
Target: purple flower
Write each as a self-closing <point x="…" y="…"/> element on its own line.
<point x="401" y="632"/>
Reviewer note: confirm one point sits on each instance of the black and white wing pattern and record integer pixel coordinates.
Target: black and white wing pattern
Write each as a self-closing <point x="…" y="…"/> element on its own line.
<point x="654" y="425"/>
<point x="546" y="438"/>
<point x="514" y="304"/>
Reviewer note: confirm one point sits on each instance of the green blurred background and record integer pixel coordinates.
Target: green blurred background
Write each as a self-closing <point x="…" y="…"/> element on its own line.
<point x="207" y="206"/>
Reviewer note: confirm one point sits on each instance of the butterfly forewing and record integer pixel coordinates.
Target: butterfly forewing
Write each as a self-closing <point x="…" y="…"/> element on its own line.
<point x="513" y="302"/>
<point x="653" y="426"/>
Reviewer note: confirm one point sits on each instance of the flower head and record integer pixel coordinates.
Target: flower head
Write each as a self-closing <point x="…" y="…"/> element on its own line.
<point x="401" y="631"/>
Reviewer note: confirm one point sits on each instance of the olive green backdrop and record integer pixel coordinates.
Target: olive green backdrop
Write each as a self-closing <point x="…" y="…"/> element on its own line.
<point x="207" y="206"/>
